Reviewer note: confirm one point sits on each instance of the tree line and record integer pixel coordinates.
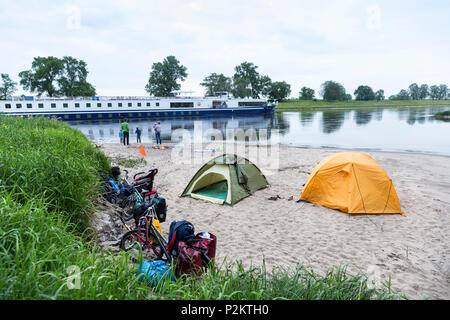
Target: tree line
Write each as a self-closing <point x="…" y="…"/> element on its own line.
<point x="67" y="77"/>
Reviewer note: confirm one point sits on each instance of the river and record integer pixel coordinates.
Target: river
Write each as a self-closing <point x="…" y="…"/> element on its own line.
<point x="400" y="129"/>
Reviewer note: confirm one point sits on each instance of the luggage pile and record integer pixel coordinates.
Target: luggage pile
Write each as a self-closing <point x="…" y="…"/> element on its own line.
<point x="183" y="253"/>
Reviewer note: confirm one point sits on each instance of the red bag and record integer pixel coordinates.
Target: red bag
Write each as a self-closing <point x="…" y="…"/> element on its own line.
<point x="196" y="255"/>
<point x="189" y="259"/>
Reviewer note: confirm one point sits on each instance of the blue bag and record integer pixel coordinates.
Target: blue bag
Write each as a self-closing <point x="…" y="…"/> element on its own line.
<point x="154" y="272"/>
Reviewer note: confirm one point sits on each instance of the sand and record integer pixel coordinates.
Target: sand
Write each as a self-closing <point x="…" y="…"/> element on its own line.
<point x="413" y="250"/>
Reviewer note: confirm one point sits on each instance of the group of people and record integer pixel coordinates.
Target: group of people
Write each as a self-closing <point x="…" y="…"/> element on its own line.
<point x="124" y="133"/>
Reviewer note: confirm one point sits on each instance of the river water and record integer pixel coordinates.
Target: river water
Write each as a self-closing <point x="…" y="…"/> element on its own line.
<point x="412" y="129"/>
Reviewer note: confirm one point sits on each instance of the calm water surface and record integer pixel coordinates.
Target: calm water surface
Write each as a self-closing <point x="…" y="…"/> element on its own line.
<point x="388" y="129"/>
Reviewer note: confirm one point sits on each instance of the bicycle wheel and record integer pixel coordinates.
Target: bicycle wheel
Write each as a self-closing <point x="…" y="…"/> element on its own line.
<point x="133" y="240"/>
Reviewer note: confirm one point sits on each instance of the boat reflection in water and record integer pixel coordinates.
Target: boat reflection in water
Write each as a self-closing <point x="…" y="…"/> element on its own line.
<point x="206" y="128"/>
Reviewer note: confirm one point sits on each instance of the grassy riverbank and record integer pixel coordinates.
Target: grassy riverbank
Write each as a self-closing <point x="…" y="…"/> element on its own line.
<point x="293" y="105"/>
<point x="49" y="177"/>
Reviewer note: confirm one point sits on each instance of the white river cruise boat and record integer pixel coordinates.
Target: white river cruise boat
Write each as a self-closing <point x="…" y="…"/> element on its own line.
<point x="97" y="108"/>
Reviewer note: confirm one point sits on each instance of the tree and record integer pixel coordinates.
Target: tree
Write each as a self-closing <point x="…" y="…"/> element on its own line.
<point x="73" y="82"/>
<point x="434" y="92"/>
<point x="402" y="95"/>
<point x="55" y="76"/>
<point x="414" y="91"/>
<point x="248" y="82"/>
<point x="333" y="91"/>
<point x="266" y="85"/>
<point x="8" y="86"/>
<point x="379" y="95"/>
<point x="279" y="91"/>
<point x="43" y="76"/>
<point x="423" y="91"/>
<point x="306" y="93"/>
<point x="164" y="76"/>
<point x="443" y="92"/>
<point x="364" y="93"/>
<point x="216" y="83"/>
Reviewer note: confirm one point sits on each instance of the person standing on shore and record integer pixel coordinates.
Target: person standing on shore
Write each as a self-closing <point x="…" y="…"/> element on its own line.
<point x="121" y="135"/>
<point x="126" y="132"/>
<point x="138" y="135"/>
<point x="158" y="133"/>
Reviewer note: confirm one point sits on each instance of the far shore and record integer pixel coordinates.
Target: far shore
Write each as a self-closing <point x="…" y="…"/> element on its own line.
<point x="298" y="105"/>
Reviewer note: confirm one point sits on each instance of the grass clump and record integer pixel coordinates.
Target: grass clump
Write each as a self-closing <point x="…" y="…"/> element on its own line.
<point x="131" y="162"/>
<point x="256" y="283"/>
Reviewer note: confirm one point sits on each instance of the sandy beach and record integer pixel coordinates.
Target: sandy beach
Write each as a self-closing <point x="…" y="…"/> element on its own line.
<point x="412" y="250"/>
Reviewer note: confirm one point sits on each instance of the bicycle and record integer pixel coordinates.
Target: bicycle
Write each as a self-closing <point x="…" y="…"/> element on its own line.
<point x="147" y="237"/>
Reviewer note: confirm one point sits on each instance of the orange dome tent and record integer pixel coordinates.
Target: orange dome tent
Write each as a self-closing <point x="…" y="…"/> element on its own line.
<point x="353" y="183"/>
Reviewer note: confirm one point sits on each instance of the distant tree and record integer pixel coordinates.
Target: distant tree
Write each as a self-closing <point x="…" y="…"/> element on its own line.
<point x="434" y="92"/>
<point x="306" y="93"/>
<point x="348" y="97"/>
<point x="423" y="91"/>
<point x="8" y="87"/>
<point x="43" y="76"/>
<point x="403" y="95"/>
<point x="443" y="92"/>
<point x="414" y="91"/>
<point x="379" y="95"/>
<point x="248" y="82"/>
<point x="216" y="83"/>
<point x="73" y="81"/>
<point x="333" y="91"/>
<point x="279" y="91"/>
<point x="164" y="76"/>
<point x="364" y="93"/>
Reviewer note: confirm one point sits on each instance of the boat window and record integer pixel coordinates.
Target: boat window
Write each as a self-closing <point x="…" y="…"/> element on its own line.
<point x="99" y="105"/>
<point x="77" y="105"/>
<point x="65" y="105"/>
<point x="250" y="104"/>
<point x="130" y="104"/>
<point x="181" y="104"/>
<point x="119" y="104"/>
<point x="139" y="104"/>
<point x="157" y="104"/>
<point x="29" y="105"/>
<point x="88" y="105"/>
<point x="40" y="105"/>
<point x="109" y="104"/>
<point x="18" y="105"/>
<point x="8" y="106"/>
<point x="53" y="105"/>
<point x="148" y="104"/>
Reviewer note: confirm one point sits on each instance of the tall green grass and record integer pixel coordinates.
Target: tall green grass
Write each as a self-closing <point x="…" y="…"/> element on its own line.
<point x="49" y="160"/>
<point x="49" y="177"/>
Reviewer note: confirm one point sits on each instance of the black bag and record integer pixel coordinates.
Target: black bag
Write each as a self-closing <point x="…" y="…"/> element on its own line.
<point x="115" y="171"/>
<point x="160" y="207"/>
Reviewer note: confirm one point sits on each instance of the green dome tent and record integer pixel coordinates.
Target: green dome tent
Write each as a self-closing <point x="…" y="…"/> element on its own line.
<point x="226" y="179"/>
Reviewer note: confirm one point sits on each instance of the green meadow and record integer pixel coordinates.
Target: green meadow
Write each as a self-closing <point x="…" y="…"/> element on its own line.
<point x="49" y="186"/>
<point x="293" y="105"/>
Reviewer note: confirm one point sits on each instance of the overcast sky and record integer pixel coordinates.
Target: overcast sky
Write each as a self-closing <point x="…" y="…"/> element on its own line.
<point x="384" y="44"/>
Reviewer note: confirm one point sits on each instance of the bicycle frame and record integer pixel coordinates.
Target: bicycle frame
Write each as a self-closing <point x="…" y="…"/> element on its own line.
<point x="149" y="225"/>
